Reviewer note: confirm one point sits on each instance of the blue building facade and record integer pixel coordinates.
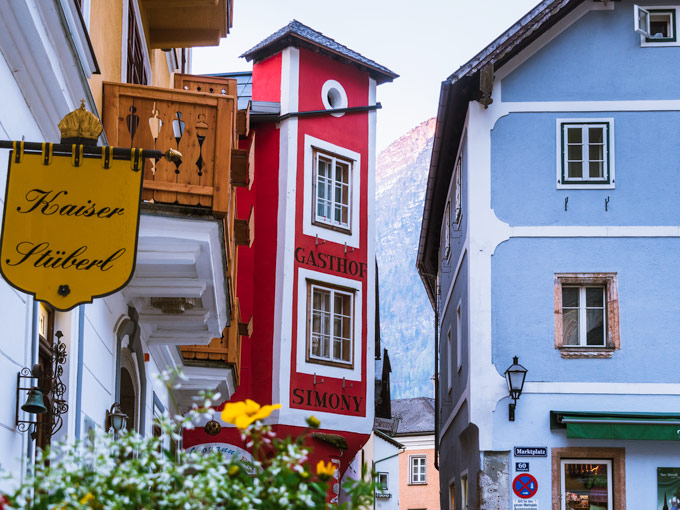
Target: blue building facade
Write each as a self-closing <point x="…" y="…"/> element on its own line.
<point x="551" y="232"/>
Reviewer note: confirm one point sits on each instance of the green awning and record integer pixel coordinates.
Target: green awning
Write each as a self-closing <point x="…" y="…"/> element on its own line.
<point x="594" y="425"/>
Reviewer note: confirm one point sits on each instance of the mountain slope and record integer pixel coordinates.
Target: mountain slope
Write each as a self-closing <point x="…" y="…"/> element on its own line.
<point x="406" y="316"/>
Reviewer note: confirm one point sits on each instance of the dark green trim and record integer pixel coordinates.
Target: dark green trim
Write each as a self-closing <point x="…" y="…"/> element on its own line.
<point x="674" y="25"/>
<point x="626" y="426"/>
<point x="563" y="174"/>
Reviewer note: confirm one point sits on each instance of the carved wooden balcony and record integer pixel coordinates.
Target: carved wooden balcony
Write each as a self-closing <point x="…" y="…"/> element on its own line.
<point x="201" y="126"/>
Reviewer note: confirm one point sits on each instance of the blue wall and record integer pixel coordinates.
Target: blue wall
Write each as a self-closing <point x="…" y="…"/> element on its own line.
<point x="647" y="170"/>
<point x="649" y="299"/>
<point x="597" y="58"/>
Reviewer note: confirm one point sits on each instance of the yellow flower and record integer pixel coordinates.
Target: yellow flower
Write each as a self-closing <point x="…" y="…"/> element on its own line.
<point x="325" y="471"/>
<point x="86" y="498"/>
<point x="313" y="422"/>
<point x="242" y="414"/>
<point x="233" y="469"/>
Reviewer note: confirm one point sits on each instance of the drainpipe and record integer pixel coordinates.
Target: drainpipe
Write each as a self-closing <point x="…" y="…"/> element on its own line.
<point x="436" y="389"/>
<point x="401" y="450"/>
<point x="35" y="342"/>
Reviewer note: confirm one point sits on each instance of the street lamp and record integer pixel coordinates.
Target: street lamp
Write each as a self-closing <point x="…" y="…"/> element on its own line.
<point x="116" y="419"/>
<point x="514" y="376"/>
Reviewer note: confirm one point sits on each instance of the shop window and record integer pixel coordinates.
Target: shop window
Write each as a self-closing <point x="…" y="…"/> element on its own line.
<point x="656" y="26"/>
<point x="332" y="196"/>
<point x="585" y="153"/>
<point x="586" y="315"/>
<point x="46" y="343"/>
<point x="588" y="478"/>
<point x="331" y="324"/>
<point x="417" y="471"/>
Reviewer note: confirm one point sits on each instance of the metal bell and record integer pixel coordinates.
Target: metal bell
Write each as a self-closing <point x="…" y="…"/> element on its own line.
<point x="35" y="403"/>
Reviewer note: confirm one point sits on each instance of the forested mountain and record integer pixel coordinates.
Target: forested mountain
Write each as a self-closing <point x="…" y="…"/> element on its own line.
<point x="405" y="313"/>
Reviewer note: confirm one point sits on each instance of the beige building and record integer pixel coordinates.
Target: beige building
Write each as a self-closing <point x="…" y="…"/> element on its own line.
<point x="418" y="477"/>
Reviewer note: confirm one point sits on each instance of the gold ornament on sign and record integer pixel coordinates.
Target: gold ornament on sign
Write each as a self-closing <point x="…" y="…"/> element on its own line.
<point x="80" y="124"/>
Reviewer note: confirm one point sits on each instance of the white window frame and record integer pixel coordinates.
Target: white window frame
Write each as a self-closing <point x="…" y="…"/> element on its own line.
<point x="449" y="355"/>
<point x="608" y="462"/>
<point x="314" y="228"/>
<point x="642" y="18"/>
<point x="561" y="154"/>
<point x="582" y="315"/>
<point x="411" y="470"/>
<point x="310" y="314"/>
<point x="311" y="367"/>
<point x="387" y="481"/>
<point x="333" y="161"/>
<point x="459" y="336"/>
<point x="458" y="191"/>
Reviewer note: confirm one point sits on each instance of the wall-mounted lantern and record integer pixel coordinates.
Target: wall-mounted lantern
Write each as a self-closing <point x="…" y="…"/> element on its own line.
<point x="45" y="392"/>
<point x="116" y="419"/>
<point x="514" y="376"/>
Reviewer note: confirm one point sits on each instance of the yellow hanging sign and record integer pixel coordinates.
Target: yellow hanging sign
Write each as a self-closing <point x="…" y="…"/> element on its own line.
<point x="69" y="231"/>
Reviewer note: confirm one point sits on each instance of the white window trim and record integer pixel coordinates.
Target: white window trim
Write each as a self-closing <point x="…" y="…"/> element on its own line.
<point x="449" y="355"/>
<point x="333" y="290"/>
<point x="459" y="336"/>
<point x="608" y="462"/>
<point x="644" y="43"/>
<point x="309" y="367"/>
<point x="410" y="469"/>
<point x="387" y="482"/>
<point x="308" y="227"/>
<point x="582" y="315"/>
<point x="332" y="177"/>
<point x="446" y="234"/>
<point x="610" y="150"/>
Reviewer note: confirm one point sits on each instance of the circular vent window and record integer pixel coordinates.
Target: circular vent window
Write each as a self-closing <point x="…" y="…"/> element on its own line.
<point x="333" y="97"/>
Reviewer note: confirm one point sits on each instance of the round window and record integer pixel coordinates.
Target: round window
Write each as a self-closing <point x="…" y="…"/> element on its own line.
<point x="333" y="97"/>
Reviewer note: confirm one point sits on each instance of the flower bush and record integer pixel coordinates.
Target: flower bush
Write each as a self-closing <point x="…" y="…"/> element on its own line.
<point x="131" y="472"/>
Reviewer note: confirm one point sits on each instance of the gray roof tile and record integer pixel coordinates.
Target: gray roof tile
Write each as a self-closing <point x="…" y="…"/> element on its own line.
<point x="415" y="415"/>
<point x="296" y="30"/>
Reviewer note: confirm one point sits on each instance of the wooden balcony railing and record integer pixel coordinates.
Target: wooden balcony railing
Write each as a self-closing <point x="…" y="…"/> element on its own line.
<point x="200" y="126"/>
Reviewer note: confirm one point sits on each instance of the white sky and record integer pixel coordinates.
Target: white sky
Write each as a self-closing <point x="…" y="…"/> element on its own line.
<point x="423" y="41"/>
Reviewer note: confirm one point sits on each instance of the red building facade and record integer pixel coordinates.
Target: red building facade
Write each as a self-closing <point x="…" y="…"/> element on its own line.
<point x="308" y="278"/>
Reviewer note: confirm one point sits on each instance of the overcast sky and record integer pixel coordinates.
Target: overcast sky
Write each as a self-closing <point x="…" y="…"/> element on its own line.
<point x="423" y="42"/>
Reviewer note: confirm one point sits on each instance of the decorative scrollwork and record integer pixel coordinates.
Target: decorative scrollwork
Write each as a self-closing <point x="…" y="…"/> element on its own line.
<point x="59" y="405"/>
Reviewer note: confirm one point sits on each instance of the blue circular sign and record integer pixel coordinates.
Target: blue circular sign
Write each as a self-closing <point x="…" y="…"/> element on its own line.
<point x="525" y="486"/>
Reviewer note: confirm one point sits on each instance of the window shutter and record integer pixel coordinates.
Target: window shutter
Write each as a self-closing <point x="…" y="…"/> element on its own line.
<point x="641" y="20"/>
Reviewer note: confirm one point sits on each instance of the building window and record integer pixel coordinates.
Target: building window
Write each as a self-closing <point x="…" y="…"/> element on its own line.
<point x="382" y="480"/>
<point x="46" y="344"/>
<point x="457" y="191"/>
<point x="332" y="191"/>
<point x="459" y="337"/>
<point x="656" y="25"/>
<point x="417" y="465"/>
<point x="586" y="315"/>
<point x="452" y="496"/>
<point x="136" y="70"/>
<point x="588" y="478"/>
<point x="585" y="153"/>
<point x="447" y="230"/>
<point x="464" y="492"/>
<point x="331" y="324"/>
<point x="449" y="354"/>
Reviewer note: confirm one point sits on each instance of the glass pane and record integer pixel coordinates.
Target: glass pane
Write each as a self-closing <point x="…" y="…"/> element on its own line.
<point x="341" y="173"/>
<point x="596" y="135"/>
<point x="570" y="297"/>
<point x="326" y="353"/>
<point x="596" y="152"/>
<point x="316" y="323"/>
<point x="570" y="327"/>
<point x="316" y="349"/>
<point x="326" y="321"/>
<point x="574" y="135"/>
<point x="586" y="486"/>
<point x="575" y="170"/>
<point x="323" y="167"/>
<point x="337" y="346"/>
<point x="346" y="351"/>
<point x="575" y="152"/>
<point x="346" y="327"/>
<point x="597" y="170"/>
<point x="594" y="297"/>
<point x="337" y="327"/>
<point x="595" y="327"/>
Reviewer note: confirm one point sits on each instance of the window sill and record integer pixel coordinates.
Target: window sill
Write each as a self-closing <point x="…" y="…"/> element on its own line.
<point x="417" y="483"/>
<point x="587" y="352"/>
